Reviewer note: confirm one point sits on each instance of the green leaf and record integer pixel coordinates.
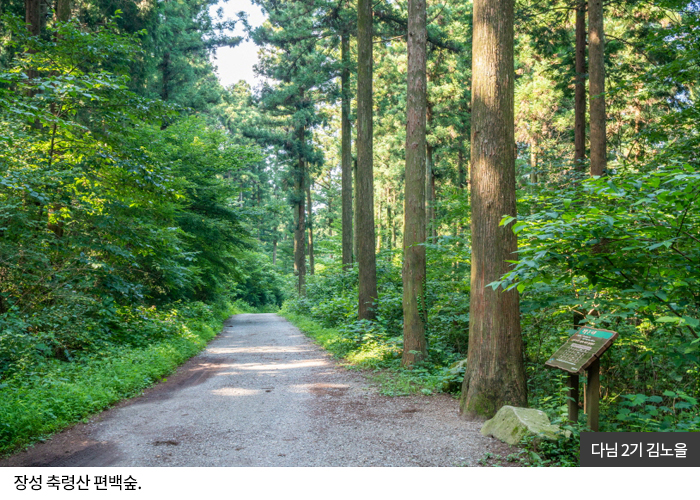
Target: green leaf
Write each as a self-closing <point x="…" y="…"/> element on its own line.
<point x="668" y="319"/>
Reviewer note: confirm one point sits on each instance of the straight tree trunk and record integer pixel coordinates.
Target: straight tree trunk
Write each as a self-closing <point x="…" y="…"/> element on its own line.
<point x="310" y="224"/>
<point x="380" y="228"/>
<point x="354" y="211"/>
<point x="165" y="73"/>
<point x="429" y="192"/>
<point x="299" y="223"/>
<point x="580" y="88"/>
<point x="346" y="154"/>
<point x="33" y="16"/>
<point x="63" y="10"/>
<point x="495" y="374"/>
<point x="366" y="258"/>
<point x="414" y="343"/>
<point x="34" y="19"/>
<point x="274" y="251"/>
<point x="596" y="72"/>
<point x="389" y="225"/>
<point x="330" y="206"/>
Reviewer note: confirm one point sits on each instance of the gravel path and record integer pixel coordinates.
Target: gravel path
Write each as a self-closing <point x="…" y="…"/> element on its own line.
<point x="262" y="394"/>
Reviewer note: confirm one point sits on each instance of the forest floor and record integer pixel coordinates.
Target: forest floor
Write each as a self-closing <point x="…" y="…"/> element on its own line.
<point x="262" y="394"/>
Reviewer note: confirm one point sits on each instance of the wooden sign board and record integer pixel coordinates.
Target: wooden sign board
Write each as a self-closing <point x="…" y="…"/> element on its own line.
<point x="582" y="349"/>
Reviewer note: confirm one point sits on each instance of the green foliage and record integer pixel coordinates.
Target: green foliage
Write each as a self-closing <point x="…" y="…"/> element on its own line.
<point x="47" y="396"/>
<point x="112" y="228"/>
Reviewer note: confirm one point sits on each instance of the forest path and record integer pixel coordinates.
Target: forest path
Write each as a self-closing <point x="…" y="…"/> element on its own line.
<point x="262" y="394"/>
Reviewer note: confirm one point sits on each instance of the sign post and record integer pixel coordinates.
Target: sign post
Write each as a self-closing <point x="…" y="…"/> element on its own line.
<point x="573" y="398"/>
<point x="582" y="352"/>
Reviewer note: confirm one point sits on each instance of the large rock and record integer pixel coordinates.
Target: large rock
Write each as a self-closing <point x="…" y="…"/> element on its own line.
<point x="511" y="424"/>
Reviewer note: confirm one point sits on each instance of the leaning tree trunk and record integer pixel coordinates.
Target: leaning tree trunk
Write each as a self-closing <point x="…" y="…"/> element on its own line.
<point x="596" y="76"/>
<point x="366" y="258"/>
<point x="495" y="374"/>
<point x="580" y="88"/>
<point x="414" y="344"/>
<point x="346" y="154"/>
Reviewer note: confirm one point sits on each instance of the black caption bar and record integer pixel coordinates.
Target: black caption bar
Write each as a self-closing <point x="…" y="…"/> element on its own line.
<point x="640" y="449"/>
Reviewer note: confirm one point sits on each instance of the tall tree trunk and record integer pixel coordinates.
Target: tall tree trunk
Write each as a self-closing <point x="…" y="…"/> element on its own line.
<point x="310" y="224"/>
<point x="596" y="72"/>
<point x="165" y="74"/>
<point x="389" y="225"/>
<point x="495" y="374"/>
<point x="34" y="19"/>
<point x="274" y="251"/>
<point x="346" y="154"/>
<point x="299" y="224"/>
<point x="33" y="16"/>
<point x="414" y="344"/>
<point x="380" y="228"/>
<point x="580" y="88"/>
<point x="430" y="201"/>
<point x="63" y="10"/>
<point x="330" y="206"/>
<point x="366" y="258"/>
<point x="354" y="211"/>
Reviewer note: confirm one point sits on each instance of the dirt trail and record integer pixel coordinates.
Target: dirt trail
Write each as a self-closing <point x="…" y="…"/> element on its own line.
<point x="262" y="394"/>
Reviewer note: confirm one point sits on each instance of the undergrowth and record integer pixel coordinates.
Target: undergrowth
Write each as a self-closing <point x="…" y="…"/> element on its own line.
<point x="47" y="397"/>
<point x="381" y="357"/>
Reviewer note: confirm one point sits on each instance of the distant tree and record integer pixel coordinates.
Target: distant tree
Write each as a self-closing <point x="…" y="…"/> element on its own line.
<point x="596" y="70"/>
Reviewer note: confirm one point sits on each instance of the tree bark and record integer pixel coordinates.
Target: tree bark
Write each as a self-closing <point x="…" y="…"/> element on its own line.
<point x="366" y="258"/>
<point x="380" y="227"/>
<point x="310" y="225"/>
<point x="33" y="17"/>
<point x="299" y="223"/>
<point x="63" y="10"/>
<point x="354" y="211"/>
<point x="580" y="88"/>
<point x="389" y="225"/>
<point x="495" y="374"/>
<point x="165" y="73"/>
<point x="414" y="343"/>
<point x="346" y="154"/>
<point x="330" y="205"/>
<point x="429" y="192"/>
<point x="596" y="71"/>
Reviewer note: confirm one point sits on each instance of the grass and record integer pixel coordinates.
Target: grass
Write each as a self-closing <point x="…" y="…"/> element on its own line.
<point x="384" y="360"/>
<point x="59" y="394"/>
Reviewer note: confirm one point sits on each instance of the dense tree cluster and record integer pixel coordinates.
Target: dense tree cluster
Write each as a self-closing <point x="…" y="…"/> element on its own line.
<point x="435" y="180"/>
